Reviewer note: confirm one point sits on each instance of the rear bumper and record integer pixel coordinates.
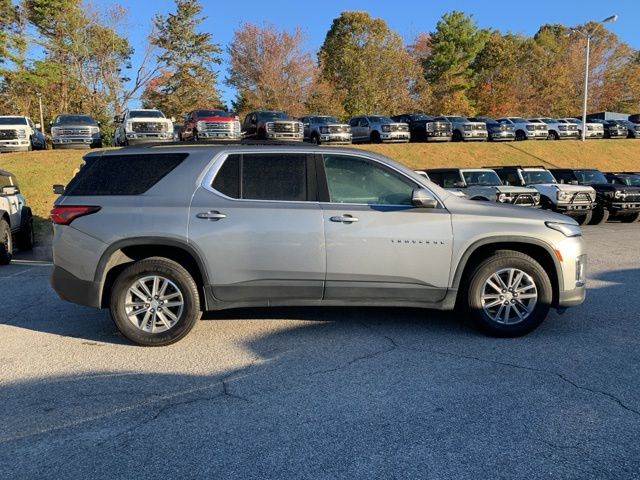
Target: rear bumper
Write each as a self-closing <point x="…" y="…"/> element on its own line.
<point x="74" y="290"/>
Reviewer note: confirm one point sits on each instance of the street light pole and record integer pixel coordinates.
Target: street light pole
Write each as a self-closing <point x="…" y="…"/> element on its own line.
<point x="41" y="116"/>
<point x="588" y="36"/>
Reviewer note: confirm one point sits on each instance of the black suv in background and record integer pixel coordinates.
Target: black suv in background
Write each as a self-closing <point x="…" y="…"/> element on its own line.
<point x="426" y="128"/>
<point x="621" y="202"/>
<point x="613" y="128"/>
<point x="272" y="125"/>
<point x="631" y="179"/>
<point x="498" y="132"/>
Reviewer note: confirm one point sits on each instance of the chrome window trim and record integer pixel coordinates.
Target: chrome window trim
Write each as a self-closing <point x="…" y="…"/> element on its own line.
<point x="205" y="180"/>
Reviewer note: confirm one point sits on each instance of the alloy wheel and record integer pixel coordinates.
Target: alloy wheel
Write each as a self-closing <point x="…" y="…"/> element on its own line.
<point x="509" y="296"/>
<point x="154" y="304"/>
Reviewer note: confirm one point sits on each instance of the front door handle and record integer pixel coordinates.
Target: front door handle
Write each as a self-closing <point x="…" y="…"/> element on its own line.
<point x="213" y="215"/>
<point x="344" y="218"/>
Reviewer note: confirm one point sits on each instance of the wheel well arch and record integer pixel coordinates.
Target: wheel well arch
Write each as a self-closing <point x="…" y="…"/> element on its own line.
<point x="119" y="257"/>
<point x="5" y="216"/>
<point x="535" y="249"/>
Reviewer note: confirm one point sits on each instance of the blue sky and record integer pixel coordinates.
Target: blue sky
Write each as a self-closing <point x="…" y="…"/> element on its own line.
<point x="408" y="18"/>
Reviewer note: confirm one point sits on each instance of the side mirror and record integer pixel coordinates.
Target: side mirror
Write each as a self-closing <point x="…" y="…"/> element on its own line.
<point x="58" y="189"/>
<point x="99" y="123"/>
<point x="574" y="182"/>
<point x="116" y="119"/>
<point x="10" y="190"/>
<point x="50" y="122"/>
<point x="422" y="198"/>
<point x="38" y="126"/>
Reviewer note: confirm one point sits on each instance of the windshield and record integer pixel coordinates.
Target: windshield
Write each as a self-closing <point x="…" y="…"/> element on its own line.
<point x="573" y="120"/>
<point x="380" y="119"/>
<point x="550" y="120"/>
<point x="325" y="120"/>
<point x="631" y="180"/>
<point x="481" y="177"/>
<point x="590" y="177"/>
<point x="211" y="113"/>
<point x="13" y="121"/>
<point x="272" y="115"/>
<point x="533" y="177"/>
<point x="145" y="114"/>
<point x="458" y="119"/>
<point x="517" y="119"/>
<point x="75" y="119"/>
<point x="420" y="116"/>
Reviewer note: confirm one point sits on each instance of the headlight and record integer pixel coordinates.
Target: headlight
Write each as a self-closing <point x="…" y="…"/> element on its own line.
<point x="200" y="125"/>
<point x="269" y="126"/>
<point x="386" y="128"/>
<point x="22" y="133"/>
<point x="503" y="197"/>
<point x="619" y="194"/>
<point x="129" y="126"/>
<point x="567" y="229"/>
<point x="563" y="196"/>
<point x="95" y="129"/>
<point x="324" y="129"/>
<point x="429" y="127"/>
<point x="236" y="126"/>
<point x="467" y="128"/>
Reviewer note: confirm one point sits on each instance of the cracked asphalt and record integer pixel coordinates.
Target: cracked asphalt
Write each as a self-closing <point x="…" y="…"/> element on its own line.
<point x="325" y="393"/>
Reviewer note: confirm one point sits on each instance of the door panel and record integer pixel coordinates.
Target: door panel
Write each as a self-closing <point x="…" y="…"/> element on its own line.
<point x="389" y="253"/>
<point x="260" y="249"/>
<point x="379" y="246"/>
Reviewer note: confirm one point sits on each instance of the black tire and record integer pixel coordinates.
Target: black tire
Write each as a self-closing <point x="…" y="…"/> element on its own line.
<point x="315" y="139"/>
<point x="6" y="243"/>
<point x="600" y="215"/>
<point x="375" y="137"/>
<point x="30" y="148"/>
<point x="584" y="219"/>
<point x="183" y="282"/>
<point x="25" y="238"/>
<point x="520" y="136"/>
<point x="195" y="136"/>
<point x="554" y="135"/>
<point x="629" y="217"/>
<point x="501" y="261"/>
<point x="457" y="136"/>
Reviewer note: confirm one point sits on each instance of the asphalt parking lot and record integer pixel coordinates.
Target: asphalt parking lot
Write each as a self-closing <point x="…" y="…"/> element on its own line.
<point x="325" y="393"/>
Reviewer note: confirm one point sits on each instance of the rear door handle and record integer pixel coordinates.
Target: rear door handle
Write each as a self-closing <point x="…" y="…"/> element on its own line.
<point x="344" y="218"/>
<point x="213" y="215"/>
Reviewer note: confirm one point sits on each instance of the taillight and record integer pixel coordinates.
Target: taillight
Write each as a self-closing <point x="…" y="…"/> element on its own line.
<point x="65" y="214"/>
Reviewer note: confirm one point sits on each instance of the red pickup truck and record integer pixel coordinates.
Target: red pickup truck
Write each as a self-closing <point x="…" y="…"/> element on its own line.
<point x="210" y="124"/>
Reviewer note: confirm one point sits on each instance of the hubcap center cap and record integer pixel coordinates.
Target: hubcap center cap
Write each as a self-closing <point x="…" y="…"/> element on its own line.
<point x="155" y="304"/>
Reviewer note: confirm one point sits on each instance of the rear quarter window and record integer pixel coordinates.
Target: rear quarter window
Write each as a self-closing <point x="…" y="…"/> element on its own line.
<point x="122" y="174"/>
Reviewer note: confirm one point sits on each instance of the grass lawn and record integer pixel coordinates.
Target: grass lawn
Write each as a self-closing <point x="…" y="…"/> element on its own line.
<point x="38" y="171"/>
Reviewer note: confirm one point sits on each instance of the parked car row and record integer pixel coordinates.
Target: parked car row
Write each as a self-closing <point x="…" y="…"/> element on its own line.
<point x="586" y="195"/>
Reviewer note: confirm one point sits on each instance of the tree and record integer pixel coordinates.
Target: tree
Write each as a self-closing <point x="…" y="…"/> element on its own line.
<point x="269" y="69"/>
<point x="366" y="62"/>
<point x="188" y="59"/>
<point x="454" y="46"/>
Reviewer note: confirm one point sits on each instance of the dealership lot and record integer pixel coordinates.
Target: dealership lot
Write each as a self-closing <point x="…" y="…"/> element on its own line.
<point x="325" y="393"/>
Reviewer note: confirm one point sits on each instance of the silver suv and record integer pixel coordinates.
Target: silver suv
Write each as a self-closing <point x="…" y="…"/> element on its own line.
<point x="320" y="129"/>
<point x="378" y="129"/>
<point x="159" y="235"/>
<point x="16" y="220"/>
<point x="483" y="184"/>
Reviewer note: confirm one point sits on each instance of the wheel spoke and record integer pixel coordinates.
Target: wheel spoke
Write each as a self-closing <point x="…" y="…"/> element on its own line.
<point x="172" y="304"/>
<point x="164" y="320"/>
<point x="138" y="293"/>
<point x="495" y="303"/>
<point x="163" y="288"/>
<point x="517" y="281"/>
<point x="517" y="310"/>
<point x="171" y="295"/>
<point x="507" y="313"/>
<point x="498" y="313"/>
<point x="527" y="296"/>
<point x="510" y="279"/>
<point x="526" y="288"/>
<point x="500" y="281"/>
<point x="143" y="324"/>
<point x="144" y="287"/>
<point x="494" y="286"/>
<point x="154" y="290"/>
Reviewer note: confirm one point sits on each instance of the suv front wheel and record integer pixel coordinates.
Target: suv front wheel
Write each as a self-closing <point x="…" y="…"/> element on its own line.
<point x="155" y="302"/>
<point x="509" y="294"/>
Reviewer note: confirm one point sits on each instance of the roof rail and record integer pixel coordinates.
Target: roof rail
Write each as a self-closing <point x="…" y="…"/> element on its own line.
<point x="209" y="143"/>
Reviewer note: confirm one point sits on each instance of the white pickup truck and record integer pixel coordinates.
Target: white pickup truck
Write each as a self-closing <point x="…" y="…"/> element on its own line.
<point x="20" y="134"/>
<point x="142" y="125"/>
<point x="16" y="221"/>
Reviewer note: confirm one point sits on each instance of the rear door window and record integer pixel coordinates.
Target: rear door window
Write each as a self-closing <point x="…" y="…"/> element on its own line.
<point x="122" y="174"/>
<point x="265" y="176"/>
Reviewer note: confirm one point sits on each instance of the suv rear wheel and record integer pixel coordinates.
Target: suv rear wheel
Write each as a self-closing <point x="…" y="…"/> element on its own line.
<point x="155" y="302"/>
<point x="6" y="243"/>
<point x="629" y="217"/>
<point x="509" y="294"/>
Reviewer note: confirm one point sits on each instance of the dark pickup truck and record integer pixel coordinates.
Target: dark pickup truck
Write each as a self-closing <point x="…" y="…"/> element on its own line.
<point x="621" y="202"/>
<point x="425" y="128"/>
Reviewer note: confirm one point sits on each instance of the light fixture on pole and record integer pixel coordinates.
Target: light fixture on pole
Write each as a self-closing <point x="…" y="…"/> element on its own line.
<point x="588" y="34"/>
<point x="39" y="95"/>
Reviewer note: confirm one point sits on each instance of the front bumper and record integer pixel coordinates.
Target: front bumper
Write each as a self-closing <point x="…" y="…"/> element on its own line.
<point x="395" y="136"/>
<point x="475" y="136"/>
<point x="574" y="208"/>
<point x="502" y="136"/>
<point x="568" y="135"/>
<point x="149" y="137"/>
<point x="439" y="136"/>
<point x="593" y="134"/>
<point x="72" y="142"/>
<point x="298" y="137"/>
<point x="220" y="135"/>
<point x="573" y="265"/>
<point x="625" y="207"/>
<point x="72" y="289"/>
<point x="571" y="298"/>
<point x="19" y="145"/>
<point x="335" y="137"/>
<point x="537" y="134"/>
